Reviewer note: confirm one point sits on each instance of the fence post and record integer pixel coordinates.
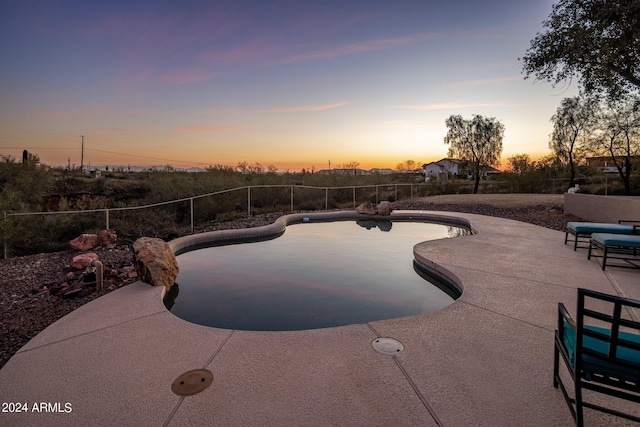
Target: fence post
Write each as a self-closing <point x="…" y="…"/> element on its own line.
<point x="326" y="198"/>
<point x="292" y="198"/>
<point x="4" y="235"/>
<point x="354" y="197"/>
<point x="411" y="185"/>
<point x="377" y="201"/>
<point x="249" y="202"/>
<point x="396" y="192"/>
<point x="106" y="214"/>
<point x="191" y="203"/>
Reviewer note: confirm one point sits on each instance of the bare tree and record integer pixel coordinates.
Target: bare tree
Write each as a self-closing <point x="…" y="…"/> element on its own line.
<point x="572" y="124"/>
<point x="352" y="167"/>
<point x="407" y="165"/>
<point x="478" y="140"/>
<point x="618" y="137"/>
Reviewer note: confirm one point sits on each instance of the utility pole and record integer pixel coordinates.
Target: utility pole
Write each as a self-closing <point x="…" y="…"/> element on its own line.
<point x="82" y="154"/>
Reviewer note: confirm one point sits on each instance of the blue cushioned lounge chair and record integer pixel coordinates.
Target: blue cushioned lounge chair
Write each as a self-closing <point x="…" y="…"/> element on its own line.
<point x="623" y="247"/>
<point x="601" y="350"/>
<point x="582" y="231"/>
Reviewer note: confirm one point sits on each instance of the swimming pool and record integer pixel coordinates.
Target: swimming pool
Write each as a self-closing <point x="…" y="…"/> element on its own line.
<point x="314" y="275"/>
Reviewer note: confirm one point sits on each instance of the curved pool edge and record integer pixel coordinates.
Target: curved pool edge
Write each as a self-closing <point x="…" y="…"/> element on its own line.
<point x="220" y="237"/>
<point x="455" y="287"/>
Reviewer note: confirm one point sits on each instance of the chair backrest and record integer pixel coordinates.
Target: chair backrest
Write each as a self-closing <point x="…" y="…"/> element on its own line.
<point x="608" y="331"/>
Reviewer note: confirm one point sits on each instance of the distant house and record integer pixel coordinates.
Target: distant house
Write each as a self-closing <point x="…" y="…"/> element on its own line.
<point x="381" y="171"/>
<point x="489" y="172"/>
<point x="454" y="168"/>
<point x="607" y="165"/>
<point x="344" y="171"/>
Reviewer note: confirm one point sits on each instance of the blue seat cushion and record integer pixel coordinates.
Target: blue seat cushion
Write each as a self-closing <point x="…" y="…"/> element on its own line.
<point x="592" y="364"/>
<point x="624" y="240"/>
<point x="599" y="227"/>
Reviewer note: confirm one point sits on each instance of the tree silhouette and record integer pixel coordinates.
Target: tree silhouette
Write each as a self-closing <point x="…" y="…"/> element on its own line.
<point x="597" y="41"/>
<point x="478" y="140"/>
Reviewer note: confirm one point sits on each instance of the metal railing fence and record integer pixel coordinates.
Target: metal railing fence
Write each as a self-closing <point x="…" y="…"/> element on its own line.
<point x="188" y="211"/>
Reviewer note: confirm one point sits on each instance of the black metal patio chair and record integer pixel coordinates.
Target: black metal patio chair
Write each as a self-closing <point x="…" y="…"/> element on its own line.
<point x="601" y="350"/>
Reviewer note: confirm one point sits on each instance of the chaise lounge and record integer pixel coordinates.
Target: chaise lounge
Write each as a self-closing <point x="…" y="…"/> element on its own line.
<point x="602" y="356"/>
<point x="582" y="231"/>
<point x="622" y="247"/>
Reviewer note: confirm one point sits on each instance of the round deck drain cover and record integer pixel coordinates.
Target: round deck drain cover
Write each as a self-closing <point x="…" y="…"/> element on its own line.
<point x="387" y="345"/>
<point x="192" y="382"/>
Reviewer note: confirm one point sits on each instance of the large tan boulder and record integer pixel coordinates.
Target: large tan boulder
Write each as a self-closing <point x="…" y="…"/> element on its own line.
<point x="367" y="208"/>
<point x="385" y="208"/>
<point x="155" y="262"/>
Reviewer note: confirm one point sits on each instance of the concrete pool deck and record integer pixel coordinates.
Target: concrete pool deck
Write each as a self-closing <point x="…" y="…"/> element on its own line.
<point x="487" y="359"/>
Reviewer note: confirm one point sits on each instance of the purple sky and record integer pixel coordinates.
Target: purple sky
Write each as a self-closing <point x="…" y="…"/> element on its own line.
<point x="287" y="83"/>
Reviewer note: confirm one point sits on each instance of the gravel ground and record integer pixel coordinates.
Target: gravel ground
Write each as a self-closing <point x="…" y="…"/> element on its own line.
<point x="27" y="304"/>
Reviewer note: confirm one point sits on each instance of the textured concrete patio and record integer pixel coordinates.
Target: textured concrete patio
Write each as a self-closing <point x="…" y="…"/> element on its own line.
<point x="485" y="360"/>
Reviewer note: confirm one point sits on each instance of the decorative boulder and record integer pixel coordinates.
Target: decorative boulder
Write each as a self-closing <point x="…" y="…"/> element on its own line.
<point x="80" y="262"/>
<point x="108" y="238"/>
<point x="385" y="208"/>
<point x="84" y="242"/>
<point x="155" y="262"/>
<point x="366" y="209"/>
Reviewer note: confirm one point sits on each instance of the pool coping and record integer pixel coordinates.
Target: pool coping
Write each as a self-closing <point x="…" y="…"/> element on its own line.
<point x="484" y="360"/>
<point x="276" y="228"/>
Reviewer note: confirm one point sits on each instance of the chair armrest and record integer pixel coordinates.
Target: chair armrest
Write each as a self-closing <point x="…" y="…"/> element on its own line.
<point x="564" y="340"/>
<point x="563" y="314"/>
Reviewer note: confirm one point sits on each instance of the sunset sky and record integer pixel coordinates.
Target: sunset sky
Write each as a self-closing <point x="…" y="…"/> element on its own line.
<point x="294" y="84"/>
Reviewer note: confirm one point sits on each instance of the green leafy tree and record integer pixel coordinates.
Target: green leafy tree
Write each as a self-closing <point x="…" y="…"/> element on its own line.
<point x="597" y="41"/>
<point x="573" y="122"/>
<point x="478" y="140"/>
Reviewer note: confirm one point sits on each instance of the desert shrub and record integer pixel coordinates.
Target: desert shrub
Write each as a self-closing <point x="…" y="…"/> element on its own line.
<point x="23" y="186"/>
<point x="46" y="233"/>
<point x="151" y="222"/>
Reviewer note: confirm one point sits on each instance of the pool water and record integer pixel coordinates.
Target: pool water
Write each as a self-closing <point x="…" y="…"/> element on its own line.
<point x="315" y="275"/>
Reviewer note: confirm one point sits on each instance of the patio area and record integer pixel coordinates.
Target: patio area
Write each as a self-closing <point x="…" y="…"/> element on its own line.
<point x="487" y="359"/>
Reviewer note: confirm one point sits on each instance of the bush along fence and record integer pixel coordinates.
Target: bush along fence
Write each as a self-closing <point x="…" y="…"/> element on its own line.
<point x="35" y="232"/>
